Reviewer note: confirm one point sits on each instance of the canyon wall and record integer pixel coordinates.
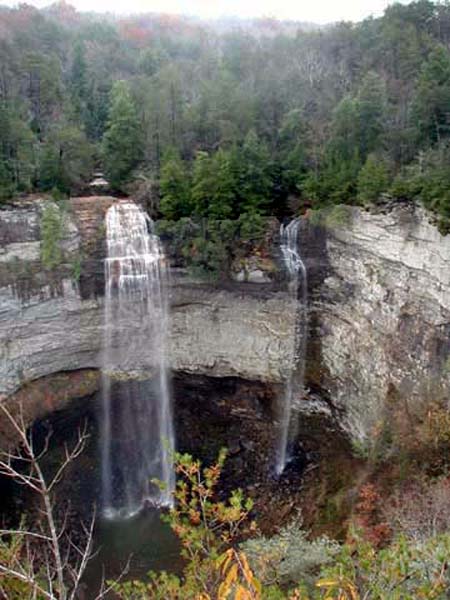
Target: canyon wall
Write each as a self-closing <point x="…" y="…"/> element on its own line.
<point x="379" y="311"/>
<point x="383" y="311"/>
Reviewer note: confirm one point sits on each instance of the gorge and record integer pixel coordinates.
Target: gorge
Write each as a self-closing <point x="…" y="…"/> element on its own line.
<point x="383" y="276"/>
<point x="225" y="302"/>
<point x="375" y="306"/>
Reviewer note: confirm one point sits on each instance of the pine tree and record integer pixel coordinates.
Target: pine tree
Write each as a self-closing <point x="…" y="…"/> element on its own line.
<point x="344" y="141"/>
<point x="432" y="102"/>
<point x="371" y="108"/>
<point x="66" y="160"/>
<point x="373" y="180"/>
<point x="224" y="185"/>
<point x="78" y="80"/>
<point x="175" y="188"/>
<point x="202" y="183"/>
<point x="254" y="178"/>
<point x="121" y="145"/>
<point x="44" y="89"/>
<point x="293" y="148"/>
<point x="17" y="152"/>
<point x="214" y="188"/>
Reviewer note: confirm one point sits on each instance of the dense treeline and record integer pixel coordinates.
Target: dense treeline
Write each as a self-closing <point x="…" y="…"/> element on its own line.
<point x="212" y="122"/>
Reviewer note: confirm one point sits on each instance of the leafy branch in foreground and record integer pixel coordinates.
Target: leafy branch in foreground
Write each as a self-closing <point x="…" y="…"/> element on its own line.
<point x="207" y="529"/>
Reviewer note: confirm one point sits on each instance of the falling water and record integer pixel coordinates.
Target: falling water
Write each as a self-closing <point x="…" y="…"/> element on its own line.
<point x="294" y="388"/>
<point x="137" y="430"/>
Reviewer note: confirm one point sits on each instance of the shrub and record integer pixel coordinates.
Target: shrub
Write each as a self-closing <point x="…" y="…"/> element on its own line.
<point x="373" y="180"/>
<point x="338" y="217"/>
<point x="252" y="227"/>
<point x="403" y="570"/>
<point x="207" y="528"/>
<point x="52" y="229"/>
<point x="207" y="247"/>
<point x="421" y="510"/>
<point x="335" y="217"/>
<point x="368" y="516"/>
<point x="428" y="179"/>
<point x="289" y="557"/>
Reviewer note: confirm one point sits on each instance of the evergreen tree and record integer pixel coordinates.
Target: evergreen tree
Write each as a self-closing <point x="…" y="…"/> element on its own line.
<point x="224" y="188"/>
<point x="97" y="100"/>
<point x="431" y="112"/>
<point x="344" y="141"/>
<point x="254" y="181"/>
<point x="373" y="180"/>
<point x="17" y="152"/>
<point x="6" y="183"/>
<point x="78" y="80"/>
<point x="150" y="61"/>
<point x="202" y="183"/>
<point x="214" y="185"/>
<point x="66" y="160"/>
<point x="371" y="109"/>
<point x="175" y="188"/>
<point x="337" y="180"/>
<point x="293" y="148"/>
<point x="44" y="89"/>
<point x="121" y="145"/>
<point x="272" y="126"/>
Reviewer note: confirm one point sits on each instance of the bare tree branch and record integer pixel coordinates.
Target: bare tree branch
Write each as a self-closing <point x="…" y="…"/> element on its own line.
<point x="24" y="532"/>
<point x="106" y="588"/>
<point x="51" y="572"/>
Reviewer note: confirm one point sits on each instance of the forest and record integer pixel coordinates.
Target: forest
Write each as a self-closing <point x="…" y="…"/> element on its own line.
<point x="220" y="121"/>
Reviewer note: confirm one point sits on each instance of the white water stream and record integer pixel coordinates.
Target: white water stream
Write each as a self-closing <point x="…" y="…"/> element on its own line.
<point x="137" y="426"/>
<point x="295" y="381"/>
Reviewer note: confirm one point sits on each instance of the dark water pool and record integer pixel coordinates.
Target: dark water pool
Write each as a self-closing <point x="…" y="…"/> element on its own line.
<point x="143" y="542"/>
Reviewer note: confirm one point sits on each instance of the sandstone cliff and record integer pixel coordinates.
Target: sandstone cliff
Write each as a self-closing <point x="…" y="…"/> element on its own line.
<point x="384" y="314"/>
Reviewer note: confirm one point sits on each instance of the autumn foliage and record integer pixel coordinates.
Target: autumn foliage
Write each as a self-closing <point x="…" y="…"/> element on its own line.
<point x="368" y="516"/>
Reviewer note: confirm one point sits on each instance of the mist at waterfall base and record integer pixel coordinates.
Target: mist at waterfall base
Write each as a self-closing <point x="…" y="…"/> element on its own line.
<point x="137" y="437"/>
<point x="295" y="378"/>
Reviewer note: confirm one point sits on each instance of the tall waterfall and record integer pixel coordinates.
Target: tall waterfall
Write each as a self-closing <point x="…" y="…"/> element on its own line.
<point x="137" y="431"/>
<point x="294" y="387"/>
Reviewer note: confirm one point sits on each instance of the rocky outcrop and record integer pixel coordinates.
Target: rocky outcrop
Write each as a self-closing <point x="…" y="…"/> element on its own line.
<point x="237" y="333"/>
<point x="383" y="315"/>
<point x="45" y="327"/>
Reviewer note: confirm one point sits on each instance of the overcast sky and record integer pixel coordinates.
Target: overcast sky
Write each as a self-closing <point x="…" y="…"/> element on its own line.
<point x="316" y="11"/>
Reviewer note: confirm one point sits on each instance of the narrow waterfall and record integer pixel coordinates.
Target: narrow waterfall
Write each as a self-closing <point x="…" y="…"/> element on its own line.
<point x="137" y="429"/>
<point x="295" y="381"/>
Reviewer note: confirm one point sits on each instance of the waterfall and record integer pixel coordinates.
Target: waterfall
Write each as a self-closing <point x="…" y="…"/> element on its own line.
<point x="295" y="381"/>
<point x="137" y="432"/>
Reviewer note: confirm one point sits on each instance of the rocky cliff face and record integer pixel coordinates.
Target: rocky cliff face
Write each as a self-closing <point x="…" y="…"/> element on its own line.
<point x="379" y="312"/>
<point x="52" y="323"/>
<point x="382" y="306"/>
